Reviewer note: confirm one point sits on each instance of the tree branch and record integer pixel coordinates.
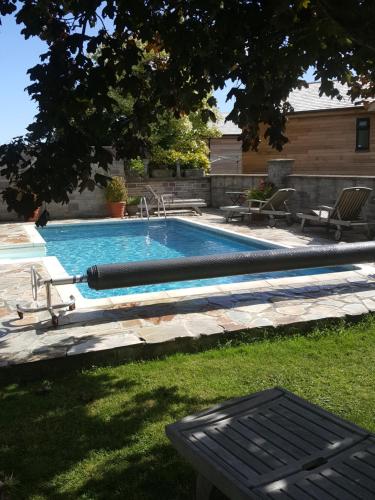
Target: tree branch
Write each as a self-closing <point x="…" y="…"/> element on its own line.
<point x="333" y="16"/>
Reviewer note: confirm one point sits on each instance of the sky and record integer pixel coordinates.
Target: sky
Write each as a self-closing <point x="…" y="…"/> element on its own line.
<point x="17" y="55"/>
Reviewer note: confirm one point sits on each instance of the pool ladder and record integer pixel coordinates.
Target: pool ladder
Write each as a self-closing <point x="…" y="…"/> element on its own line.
<point x="160" y="201"/>
<point x="144" y="204"/>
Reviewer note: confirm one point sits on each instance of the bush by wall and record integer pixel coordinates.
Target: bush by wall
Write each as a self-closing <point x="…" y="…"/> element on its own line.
<point x="169" y="158"/>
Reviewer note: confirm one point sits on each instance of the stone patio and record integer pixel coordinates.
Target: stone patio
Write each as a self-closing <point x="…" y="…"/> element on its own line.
<point x="161" y="323"/>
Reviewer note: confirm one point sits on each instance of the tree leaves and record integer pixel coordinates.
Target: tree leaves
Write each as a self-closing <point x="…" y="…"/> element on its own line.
<point x="93" y="46"/>
<point x="7" y="7"/>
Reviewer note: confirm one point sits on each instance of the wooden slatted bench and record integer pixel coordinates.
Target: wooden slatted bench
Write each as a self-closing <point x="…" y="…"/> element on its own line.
<point x="275" y="445"/>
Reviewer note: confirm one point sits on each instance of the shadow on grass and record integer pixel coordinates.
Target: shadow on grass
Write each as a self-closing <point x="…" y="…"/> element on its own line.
<point x="92" y="436"/>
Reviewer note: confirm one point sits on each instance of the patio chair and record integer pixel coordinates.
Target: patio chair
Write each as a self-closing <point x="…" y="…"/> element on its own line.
<point x="276" y="206"/>
<point x="275" y="445"/>
<point x="346" y="212"/>
<point x="169" y="202"/>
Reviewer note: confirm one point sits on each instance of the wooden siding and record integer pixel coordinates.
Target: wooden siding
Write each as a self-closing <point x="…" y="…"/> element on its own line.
<point x="226" y="146"/>
<point x="320" y="143"/>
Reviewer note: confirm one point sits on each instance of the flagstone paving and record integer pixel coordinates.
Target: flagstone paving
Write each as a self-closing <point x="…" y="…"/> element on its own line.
<point x="13" y="234"/>
<point x="159" y="326"/>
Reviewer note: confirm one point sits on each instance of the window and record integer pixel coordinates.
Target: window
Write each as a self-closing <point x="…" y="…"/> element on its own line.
<point x="363" y="134"/>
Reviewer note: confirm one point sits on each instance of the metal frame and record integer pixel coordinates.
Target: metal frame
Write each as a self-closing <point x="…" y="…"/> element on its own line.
<point x="37" y="281"/>
<point x="144" y="203"/>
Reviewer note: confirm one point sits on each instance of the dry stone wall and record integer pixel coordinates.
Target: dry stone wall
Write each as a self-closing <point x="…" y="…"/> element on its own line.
<point x="311" y="191"/>
<point x="92" y="203"/>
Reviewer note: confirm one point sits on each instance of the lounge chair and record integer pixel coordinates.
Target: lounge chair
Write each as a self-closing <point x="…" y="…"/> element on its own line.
<point x="275" y="445"/>
<point x="276" y="206"/>
<point x="346" y="212"/>
<point x="168" y="202"/>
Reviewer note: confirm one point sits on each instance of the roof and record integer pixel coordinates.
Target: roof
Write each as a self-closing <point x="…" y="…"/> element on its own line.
<point x="308" y="98"/>
<point x="227" y="127"/>
<point x="303" y="100"/>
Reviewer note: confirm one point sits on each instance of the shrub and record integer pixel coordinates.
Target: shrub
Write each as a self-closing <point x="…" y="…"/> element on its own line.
<point x="169" y="158"/>
<point x="195" y="160"/>
<point x="135" y="167"/>
<point x="164" y="158"/>
<point x="116" y="190"/>
<point x="263" y="191"/>
<point x="133" y="200"/>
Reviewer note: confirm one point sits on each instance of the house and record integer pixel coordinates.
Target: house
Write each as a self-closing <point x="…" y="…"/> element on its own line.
<point x="326" y="137"/>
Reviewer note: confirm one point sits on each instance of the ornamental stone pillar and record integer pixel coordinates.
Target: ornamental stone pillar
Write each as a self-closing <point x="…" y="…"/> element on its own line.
<point x="279" y="170"/>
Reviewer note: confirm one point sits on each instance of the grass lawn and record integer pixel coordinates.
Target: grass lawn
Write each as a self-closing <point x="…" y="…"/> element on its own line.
<point x="100" y="433"/>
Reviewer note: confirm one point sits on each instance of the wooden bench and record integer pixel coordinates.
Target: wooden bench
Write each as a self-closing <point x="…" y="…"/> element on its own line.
<point x="275" y="445"/>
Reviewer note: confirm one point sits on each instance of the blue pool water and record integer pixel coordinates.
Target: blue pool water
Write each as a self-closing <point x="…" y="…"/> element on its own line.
<point x="80" y="246"/>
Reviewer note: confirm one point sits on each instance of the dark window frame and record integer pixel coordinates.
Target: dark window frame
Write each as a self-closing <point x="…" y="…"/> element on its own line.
<point x="358" y="129"/>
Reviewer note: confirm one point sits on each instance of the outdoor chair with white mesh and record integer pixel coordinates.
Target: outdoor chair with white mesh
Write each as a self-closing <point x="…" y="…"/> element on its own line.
<point x="346" y="212"/>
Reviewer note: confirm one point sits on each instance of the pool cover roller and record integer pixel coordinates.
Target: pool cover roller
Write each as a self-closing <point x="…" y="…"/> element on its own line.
<point x="107" y="276"/>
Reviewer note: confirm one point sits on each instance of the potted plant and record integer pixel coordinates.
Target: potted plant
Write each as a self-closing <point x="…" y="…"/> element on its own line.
<point x="163" y="163"/>
<point x="24" y="201"/>
<point x="33" y="217"/>
<point x="33" y="211"/>
<point x="262" y="192"/>
<point x="116" y="195"/>
<point x="132" y="205"/>
<point x="195" y="164"/>
<point x="135" y="168"/>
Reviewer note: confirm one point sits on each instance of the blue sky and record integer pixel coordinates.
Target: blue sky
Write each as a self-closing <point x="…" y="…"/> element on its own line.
<point x="17" y="55"/>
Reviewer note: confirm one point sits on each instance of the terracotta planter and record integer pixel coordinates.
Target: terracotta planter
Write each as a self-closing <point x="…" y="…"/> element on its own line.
<point x="116" y="208"/>
<point x="34" y="216"/>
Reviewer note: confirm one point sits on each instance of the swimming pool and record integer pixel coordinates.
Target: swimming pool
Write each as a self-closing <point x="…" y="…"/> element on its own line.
<point x="79" y="246"/>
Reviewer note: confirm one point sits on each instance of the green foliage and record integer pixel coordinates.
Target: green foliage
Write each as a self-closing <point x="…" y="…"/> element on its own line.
<point x="169" y="159"/>
<point x="106" y="436"/>
<point x="116" y="190"/>
<point x="187" y="134"/>
<point x="263" y="191"/>
<point x="133" y="200"/>
<point x="264" y="48"/>
<point x="171" y="139"/>
<point x="7" y="7"/>
<point x="135" y="167"/>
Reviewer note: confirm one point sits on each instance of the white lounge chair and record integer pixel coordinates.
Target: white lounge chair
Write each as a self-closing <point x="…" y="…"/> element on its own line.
<point x="275" y="206"/>
<point x="169" y="202"/>
<point x="346" y="212"/>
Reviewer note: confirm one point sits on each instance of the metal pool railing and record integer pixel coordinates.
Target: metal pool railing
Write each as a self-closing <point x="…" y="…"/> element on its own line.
<point x="109" y="276"/>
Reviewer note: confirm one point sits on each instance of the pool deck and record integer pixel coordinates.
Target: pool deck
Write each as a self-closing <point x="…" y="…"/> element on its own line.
<point x="112" y="330"/>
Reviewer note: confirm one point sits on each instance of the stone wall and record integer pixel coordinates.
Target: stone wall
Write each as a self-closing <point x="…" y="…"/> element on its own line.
<point x="222" y="183"/>
<point x="92" y="203"/>
<point x="312" y="191"/>
<point x="180" y="187"/>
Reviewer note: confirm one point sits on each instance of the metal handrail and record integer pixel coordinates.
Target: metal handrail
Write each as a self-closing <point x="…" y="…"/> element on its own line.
<point x="163" y="204"/>
<point x="144" y="201"/>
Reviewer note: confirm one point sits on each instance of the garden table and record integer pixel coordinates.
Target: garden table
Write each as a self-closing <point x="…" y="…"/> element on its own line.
<point x="236" y="197"/>
<point x="275" y="445"/>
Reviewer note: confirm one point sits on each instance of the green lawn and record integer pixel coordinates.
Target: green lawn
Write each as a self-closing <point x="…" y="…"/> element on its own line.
<point x="100" y="433"/>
